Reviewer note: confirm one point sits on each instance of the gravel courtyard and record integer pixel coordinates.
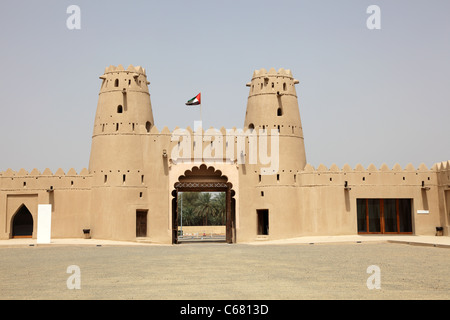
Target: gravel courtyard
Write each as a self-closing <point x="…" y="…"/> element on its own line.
<point x="221" y="271"/>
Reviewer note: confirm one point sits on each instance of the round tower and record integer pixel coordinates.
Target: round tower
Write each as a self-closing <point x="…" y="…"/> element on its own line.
<point x="122" y="125"/>
<point x="124" y="112"/>
<point x="273" y="105"/>
<point x="269" y="208"/>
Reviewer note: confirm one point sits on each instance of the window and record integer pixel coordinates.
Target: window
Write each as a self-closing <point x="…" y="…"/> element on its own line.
<point x="251" y="126"/>
<point x="148" y="126"/>
<point x="116" y="83"/>
<point x="284" y="86"/>
<point x="263" y="222"/>
<point x="279" y="112"/>
<point x="119" y="109"/>
<point x="384" y="216"/>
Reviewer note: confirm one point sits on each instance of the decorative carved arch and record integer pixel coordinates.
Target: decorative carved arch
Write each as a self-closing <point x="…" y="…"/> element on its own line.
<point x="204" y="179"/>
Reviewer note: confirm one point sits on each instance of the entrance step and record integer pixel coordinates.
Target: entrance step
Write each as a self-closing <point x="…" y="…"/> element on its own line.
<point x="143" y="240"/>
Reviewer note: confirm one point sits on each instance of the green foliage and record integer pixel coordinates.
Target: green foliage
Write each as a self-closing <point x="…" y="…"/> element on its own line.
<point x="202" y="208"/>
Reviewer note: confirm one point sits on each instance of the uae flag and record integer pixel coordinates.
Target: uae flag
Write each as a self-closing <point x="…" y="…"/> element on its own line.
<point x="194" y="101"/>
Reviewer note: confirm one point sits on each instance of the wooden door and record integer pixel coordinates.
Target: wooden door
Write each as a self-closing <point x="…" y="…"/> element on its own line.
<point x="175" y="218"/>
<point x="141" y="223"/>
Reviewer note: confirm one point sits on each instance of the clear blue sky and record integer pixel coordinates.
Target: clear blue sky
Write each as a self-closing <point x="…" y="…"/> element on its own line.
<point x="366" y="96"/>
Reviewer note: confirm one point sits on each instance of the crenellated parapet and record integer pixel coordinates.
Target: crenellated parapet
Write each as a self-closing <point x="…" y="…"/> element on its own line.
<point x="35" y="180"/>
<point x="370" y="176"/>
<point x="120" y="79"/>
<point x="279" y="82"/>
<point x="443" y="174"/>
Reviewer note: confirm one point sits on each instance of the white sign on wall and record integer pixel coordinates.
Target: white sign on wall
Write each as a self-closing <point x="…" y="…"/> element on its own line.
<point x="44" y="223"/>
<point x="423" y="211"/>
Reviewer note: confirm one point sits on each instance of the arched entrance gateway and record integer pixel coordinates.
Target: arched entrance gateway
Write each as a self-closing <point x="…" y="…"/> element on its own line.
<point x="205" y="179"/>
<point x="22" y="223"/>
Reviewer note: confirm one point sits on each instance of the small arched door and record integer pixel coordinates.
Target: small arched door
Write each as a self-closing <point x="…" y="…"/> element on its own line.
<point x="22" y="223"/>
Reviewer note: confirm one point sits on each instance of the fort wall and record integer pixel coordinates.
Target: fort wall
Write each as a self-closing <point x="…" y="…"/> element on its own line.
<point x="134" y="166"/>
<point x="69" y="194"/>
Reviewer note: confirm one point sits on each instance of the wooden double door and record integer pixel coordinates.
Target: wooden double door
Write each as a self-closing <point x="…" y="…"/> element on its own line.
<point x="206" y="187"/>
<point x="393" y="216"/>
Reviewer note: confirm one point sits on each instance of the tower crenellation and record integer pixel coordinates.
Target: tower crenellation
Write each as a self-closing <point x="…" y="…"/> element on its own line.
<point x="119" y="79"/>
<point x="279" y="82"/>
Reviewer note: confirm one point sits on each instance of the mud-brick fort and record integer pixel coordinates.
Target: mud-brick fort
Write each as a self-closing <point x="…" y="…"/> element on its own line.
<point x="136" y="171"/>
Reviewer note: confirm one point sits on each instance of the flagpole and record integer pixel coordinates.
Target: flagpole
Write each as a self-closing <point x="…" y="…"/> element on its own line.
<point x="196" y="101"/>
<point x="201" y="121"/>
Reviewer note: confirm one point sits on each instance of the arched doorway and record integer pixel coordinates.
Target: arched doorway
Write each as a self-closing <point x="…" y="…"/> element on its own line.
<point x="22" y="223"/>
<point x="205" y="179"/>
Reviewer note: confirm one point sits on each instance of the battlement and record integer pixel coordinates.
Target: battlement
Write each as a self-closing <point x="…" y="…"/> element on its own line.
<point x="371" y="168"/>
<point x="117" y="79"/>
<point x="422" y="176"/>
<point x="264" y="81"/>
<point x="47" y="172"/>
<point x="23" y="180"/>
<point x="272" y="72"/>
<point x="440" y="166"/>
<point x="120" y="68"/>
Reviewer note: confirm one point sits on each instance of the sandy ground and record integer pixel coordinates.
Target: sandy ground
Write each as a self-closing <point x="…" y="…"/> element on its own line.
<point x="219" y="271"/>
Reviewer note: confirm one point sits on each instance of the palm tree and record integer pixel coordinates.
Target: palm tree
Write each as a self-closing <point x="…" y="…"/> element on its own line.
<point x="202" y="208"/>
<point x="186" y="203"/>
<point x="205" y="206"/>
<point x="220" y="202"/>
